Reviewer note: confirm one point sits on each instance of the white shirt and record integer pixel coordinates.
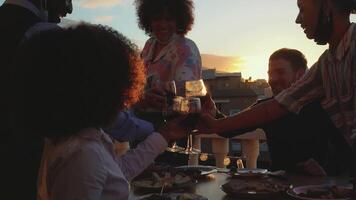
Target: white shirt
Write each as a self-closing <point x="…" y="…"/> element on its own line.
<point x="86" y="167"/>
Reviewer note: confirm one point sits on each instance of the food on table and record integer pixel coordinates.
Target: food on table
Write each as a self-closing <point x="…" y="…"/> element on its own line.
<point x="254" y="186"/>
<point x="157" y="180"/>
<point x="174" y="196"/>
<point x="158" y="197"/>
<point x="249" y="173"/>
<point x="332" y="192"/>
<point x="196" y="171"/>
<point x="187" y="196"/>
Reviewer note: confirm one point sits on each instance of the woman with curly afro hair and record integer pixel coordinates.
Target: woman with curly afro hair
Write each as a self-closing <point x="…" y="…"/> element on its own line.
<point x="168" y="55"/>
<point x="70" y="84"/>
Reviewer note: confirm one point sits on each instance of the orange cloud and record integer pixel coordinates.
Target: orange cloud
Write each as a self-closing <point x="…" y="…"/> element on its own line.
<point x="103" y="19"/>
<point x="222" y="63"/>
<point x="98" y="3"/>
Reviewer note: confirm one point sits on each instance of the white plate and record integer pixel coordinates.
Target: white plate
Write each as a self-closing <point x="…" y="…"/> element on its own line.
<point x="252" y="171"/>
<point x="295" y="192"/>
<point x="204" y="170"/>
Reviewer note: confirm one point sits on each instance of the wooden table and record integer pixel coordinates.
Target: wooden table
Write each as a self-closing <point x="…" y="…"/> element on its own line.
<point x="210" y="188"/>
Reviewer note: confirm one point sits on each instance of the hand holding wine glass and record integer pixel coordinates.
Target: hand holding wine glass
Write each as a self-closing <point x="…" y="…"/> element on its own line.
<point x="207" y="124"/>
<point x="153" y="99"/>
<point x="157" y="96"/>
<point x="173" y="130"/>
<point x="208" y="105"/>
<point x="168" y="109"/>
<point x="191" y="105"/>
<point x="170" y="91"/>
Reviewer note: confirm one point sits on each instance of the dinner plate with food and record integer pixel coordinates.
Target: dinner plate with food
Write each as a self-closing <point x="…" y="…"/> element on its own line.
<point x="321" y="192"/>
<point x="167" y="180"/>
<point x="250" y="173"/>
<point x="255" y="188"/>
<point x="200" y="170"/>
<point x="173" y="196"/>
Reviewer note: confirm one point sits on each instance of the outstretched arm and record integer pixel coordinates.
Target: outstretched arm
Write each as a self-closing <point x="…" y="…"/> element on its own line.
<point x="304" y="91"/>
<point x="256" y="116"/>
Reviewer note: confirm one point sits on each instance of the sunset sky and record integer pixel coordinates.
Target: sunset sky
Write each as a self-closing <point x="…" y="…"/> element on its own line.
<point x="232" y="35"/>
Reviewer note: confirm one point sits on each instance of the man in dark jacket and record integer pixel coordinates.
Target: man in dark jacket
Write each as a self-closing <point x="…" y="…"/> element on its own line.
<point x="20" y="155"/>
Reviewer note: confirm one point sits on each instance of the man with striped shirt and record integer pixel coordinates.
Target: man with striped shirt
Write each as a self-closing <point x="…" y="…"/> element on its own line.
<point x="332" y="79"/>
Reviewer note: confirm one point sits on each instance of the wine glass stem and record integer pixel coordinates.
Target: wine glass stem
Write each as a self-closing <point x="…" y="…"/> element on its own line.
<point x="191" y="141"/>
<point x="188" y="144"/>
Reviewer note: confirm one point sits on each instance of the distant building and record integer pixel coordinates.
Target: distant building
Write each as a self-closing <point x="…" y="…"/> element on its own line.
<point x="260" y="86"/>
<point x="229" y="92"/>
<point x="232" y="94"/>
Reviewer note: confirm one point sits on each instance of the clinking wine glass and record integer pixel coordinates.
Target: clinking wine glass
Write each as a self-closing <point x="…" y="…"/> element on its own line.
<point x="194" y="108"/>
<point x="171" y="102"/>
<point x="193" y="90"/>
<point x="170" y="89"/>
<point x="191" y="105"/>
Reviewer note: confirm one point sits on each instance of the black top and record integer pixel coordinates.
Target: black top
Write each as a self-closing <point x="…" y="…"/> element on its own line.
<point x="297" y="138"/>
<point x="14" y="21"/>
<point x="20" y="155"/>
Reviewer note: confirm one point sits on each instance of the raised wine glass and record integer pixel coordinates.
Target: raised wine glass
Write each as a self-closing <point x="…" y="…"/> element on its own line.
<point x="194" y="89"/>
<point x="172" y="101"/>
<point x="194" y="107"/>
<point x="170" y="89"/>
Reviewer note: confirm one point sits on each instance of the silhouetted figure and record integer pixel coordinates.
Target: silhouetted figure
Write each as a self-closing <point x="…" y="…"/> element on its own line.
<point x="20" y="154"/>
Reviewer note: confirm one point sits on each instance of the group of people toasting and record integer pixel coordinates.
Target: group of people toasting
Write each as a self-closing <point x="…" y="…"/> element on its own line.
<point x="70" y="91"/>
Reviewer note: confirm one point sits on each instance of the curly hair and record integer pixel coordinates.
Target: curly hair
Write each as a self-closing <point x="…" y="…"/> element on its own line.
<point x="180" y="10"/>
<point x="295" y="57"/>
<point x="70" y="79"/>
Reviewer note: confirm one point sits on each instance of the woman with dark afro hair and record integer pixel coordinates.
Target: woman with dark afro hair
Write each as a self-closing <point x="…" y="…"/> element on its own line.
<point x="168" y="55"/>
<point x="70" y="84"/>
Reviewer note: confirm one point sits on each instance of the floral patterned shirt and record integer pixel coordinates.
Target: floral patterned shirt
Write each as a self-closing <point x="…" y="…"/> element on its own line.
<point x="179" y="60"/>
